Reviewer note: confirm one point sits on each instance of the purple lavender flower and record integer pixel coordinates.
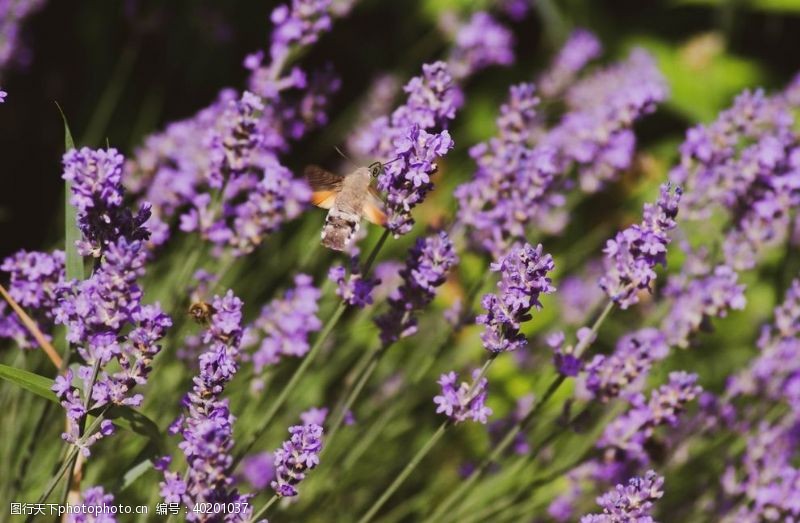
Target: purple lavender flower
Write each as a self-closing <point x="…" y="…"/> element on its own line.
<point x="97" y="195"/>
<point x="353" y="289"/>
<point x="3" y="96"/>
<point x="631" y="502"/>
<point x="103" y="508"/>
<point x="407" y="139"/>
<point x="207" y="426"/>
<point x="12" y="16"/>
<point x="608" y="376"/>
<point x="508" y="189"/>
<point x="523" y="278"/>
<point x="595" y="135"/>
<point x="106" y="320"/>
<point x="630" y="431"/>
<point x="463" y="402"/>
<point x="479" y="43"/>
<point x="295" y="457"/>
<point x="286" y="324"/>
<point x="701" y="298"/>
<point x="259" y="469"/>
<point x="34" y="280"/>
<point x="301" y="24"/>
<point x="581" y="47"/>
<point x="428" y="263"/>
<point x="775" y="372"/>
<point x="746" y="163"/>
<point x="633" y="253"/>
<point x="314" y="416"/>
<point x="579" y="293"/>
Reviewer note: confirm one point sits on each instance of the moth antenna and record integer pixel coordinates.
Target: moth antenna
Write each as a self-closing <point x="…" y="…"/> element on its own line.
<point x="391" y="161"/>
<point x="344" y="155"/>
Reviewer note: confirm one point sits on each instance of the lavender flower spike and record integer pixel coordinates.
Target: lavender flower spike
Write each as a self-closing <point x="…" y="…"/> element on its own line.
<point x="458" y="404"/>
<point x="429" y="261"/>
<point x="633" y="253"/>
<point x="523" y="278"/>
<point x="581" y="47"/>
<point x="295" y="457"/>
<point x="207" y="427"/>
<point x="629" y="503"/>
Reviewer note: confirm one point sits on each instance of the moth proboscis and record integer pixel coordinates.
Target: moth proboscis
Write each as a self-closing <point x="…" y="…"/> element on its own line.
<point x="348" y="198"/>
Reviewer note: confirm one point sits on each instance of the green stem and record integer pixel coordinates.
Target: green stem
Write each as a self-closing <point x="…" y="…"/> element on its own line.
<point x="460" y="492"/>
<point x="264" y="509"/>
<point x="309" y="358"/>
<point x="71" y="455"/>
<point x="409" y="468"/>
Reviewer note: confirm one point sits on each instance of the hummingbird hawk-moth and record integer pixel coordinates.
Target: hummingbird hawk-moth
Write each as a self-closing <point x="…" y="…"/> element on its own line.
<point x="347" y="199"/>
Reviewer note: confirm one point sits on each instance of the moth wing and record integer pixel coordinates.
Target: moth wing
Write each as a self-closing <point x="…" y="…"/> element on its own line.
<point x="373" y="208"/>
<point x="325" y="185"/>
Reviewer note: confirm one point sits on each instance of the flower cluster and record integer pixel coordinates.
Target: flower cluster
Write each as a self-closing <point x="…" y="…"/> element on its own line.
<point x="463" y="402"/>
<point x="478" y="43"/>
<point x="207" y="426"/>
<point x="34" y="278"/>
<point x="218" y="172"/>
<point x="581" y="47"/>
<point x="354" y="289"/>
<point x="12" y="16"/>
<point x="427" y="266"/>
<point x="102" y="503"/>
<point x="286" y="324"/>
<point x="295" y="457"/>
<point x="508" y="191"/>
<point x="104" y="314"/>
<point x="745" y="161"/>
<point x="95" y="176"/>
<point x="631" y="431"/>
<point x="595" y="135"/>
<point x="408" y="139"/>
<point x="523" y="278"/>
<point x="633" y="253"/>
<point x="608" y="376"/>
<point x="710" y="296"/>
<point x="631" y="502"/>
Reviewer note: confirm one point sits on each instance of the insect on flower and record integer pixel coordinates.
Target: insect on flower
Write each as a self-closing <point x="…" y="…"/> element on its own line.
<point x="348" y="198"/>
<point x="201" y="311"/>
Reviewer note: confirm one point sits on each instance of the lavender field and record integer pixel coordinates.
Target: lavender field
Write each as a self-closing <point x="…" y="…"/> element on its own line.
<point x="440" y="261"/>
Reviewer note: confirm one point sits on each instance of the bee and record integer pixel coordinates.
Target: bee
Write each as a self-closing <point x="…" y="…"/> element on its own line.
<point x="348" y="198"/>
<point x="201" y="311"/>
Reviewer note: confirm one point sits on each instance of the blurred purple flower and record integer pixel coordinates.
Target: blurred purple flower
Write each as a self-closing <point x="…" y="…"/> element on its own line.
<point x="295" y="457"/>
<point x="259" y="470"/>
<point x="12" y="15"/>
<point x="703" y="297"/>
<point x="461" y="402"/>
<point x="34" y="279"/>
<point x="608" y="376"/>
<point x="523" y="278"/>
<point x="286" y="324"/>
<point x="103" y="507"/>
<point x="581" y="47"/>
<point x="3" y="96"/>
<point x="300" y="23"/>
<point x="479" y="43"/>
<point x="633" y="253"/>
<point x="428" y="263"/>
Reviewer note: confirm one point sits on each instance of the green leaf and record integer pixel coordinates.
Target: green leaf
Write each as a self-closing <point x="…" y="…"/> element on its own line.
<point x="125" y="418"/>
<point x="703" y="76"/>
<point x="74" y="263"/>
<point x="29" y="381"/>
<point x="134" y="421"/>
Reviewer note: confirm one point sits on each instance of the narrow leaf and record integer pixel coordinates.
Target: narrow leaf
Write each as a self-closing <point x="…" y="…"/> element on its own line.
<point x="74" y="263"/>
<point x="125" y="418"/>
<point x="29" y="381"/>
